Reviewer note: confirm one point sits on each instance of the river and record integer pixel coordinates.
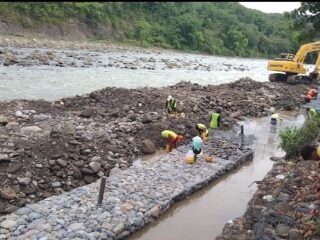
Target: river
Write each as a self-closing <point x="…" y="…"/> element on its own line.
<point x="51" y="82"/>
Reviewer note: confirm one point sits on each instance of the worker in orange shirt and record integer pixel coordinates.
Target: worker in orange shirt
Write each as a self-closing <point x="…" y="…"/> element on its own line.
<point x="311" y="95"/>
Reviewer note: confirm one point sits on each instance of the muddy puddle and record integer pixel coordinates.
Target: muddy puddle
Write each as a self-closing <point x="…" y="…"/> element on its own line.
<point x="203" y="215"/>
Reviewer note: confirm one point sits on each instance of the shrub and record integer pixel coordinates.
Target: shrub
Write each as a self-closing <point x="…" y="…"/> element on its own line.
<point x="293" y="139"/>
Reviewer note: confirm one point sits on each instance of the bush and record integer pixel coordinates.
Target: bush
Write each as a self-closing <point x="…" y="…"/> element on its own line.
<point x="293" y="139"/>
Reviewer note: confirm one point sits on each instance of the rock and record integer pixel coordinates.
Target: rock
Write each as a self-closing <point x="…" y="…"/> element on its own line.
<point x="87" y="113"/>
<point x="78" y="164"/>
<point x="18" y="114"/>
<point x="76" y="226"/>
<point x="56" y="184"/>
<point x="101" y="110"/>
<point x="39" y="165"/>
<point x="3" y="121"/>
<point x="12" y="125"/>
<point x="86" y="171"/>
<point x="126" y="108"/>
<point x="41" y="117"/>
<point x="114" y="171"/>
<point x="14" y="167"/>
<point x="126" y="207"/>
<point x="29" y="129"/>
<point x="112" y="148"/>
<point x="24" y="181"/>
<point x="154" y="212"/>
<point x="4" y="158"/>
<point x="146" y="119"/>
<point x="96" y="159"/>
<point x="77" y="174"/>
<point x="294" y="235"/>
<point x="28" y="190"/>
<point x="282" y="230"/>
<point x="236" y="114"/>
<point x="95" y="166"/>
<point x="8" y="224"/>
<point x="68" y="129"/>
<point x="8" y="193"/>
<point x="88" y="179"/>
<point x="118" y="229"/>
<point x="148" y="147"/>
<point x="61" y="163"/>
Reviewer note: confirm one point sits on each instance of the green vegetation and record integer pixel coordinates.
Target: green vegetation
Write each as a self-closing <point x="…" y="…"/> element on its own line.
<point x="221" y="28"/>
<point x="293" y="139"/>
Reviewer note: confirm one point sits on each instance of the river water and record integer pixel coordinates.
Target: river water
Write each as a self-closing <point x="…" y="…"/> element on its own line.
<point x="51" y="82"/>
<point x="203" y="215"/>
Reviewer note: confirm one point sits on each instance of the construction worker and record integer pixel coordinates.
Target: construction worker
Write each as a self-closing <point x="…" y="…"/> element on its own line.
<point x="311" y="95"/>
<point x="172" y="139"/>
<point x="314" y="113"/>
<point x="311" y="152"/>
<point x="171" y="104"/>
<point x="274" y="120"/>
<point x="203" y="131"/>
<point x="215" y="119"/>
<point x="196" y="146"/>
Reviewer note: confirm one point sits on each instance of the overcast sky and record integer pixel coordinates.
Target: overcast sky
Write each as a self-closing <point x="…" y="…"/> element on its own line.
<point x="272" y="7"/>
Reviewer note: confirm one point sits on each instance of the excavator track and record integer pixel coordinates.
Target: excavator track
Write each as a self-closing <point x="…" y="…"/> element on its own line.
<point x="278" y="77"/>
<point x="297" y="79"/>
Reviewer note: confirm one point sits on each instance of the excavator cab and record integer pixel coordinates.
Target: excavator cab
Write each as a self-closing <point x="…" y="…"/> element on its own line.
<point x="285" y="56"/>
<point x="292" y="68"/>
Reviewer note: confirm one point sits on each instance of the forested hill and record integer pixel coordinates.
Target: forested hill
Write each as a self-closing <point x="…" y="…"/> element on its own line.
<point x="220" y="28"/>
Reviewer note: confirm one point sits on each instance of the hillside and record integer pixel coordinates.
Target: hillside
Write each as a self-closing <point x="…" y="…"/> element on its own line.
<point x="225" y="28"/>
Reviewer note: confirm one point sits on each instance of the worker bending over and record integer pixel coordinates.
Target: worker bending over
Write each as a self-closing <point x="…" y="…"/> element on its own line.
<point x="171" y="105"/>
<point x="196" y="146"/>
<point x="202" y="130"/>
<point x="172" y="139"/>
<point x="215" y="119"/>
<point x="311" y="95"/>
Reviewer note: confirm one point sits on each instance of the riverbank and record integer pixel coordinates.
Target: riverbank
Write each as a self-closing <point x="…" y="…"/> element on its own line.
<point x="133" y="197"/>
<point x="51" y="147"/>
<point x="286" y="205"/>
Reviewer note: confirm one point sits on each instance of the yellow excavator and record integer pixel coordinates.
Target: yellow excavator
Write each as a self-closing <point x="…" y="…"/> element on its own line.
<point x="291" y="66"/>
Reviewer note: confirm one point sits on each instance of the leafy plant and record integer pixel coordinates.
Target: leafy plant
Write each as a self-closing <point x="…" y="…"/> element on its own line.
<point x="293" y="139"/>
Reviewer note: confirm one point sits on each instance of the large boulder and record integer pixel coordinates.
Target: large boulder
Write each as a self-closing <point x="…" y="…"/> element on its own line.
<point x="3" y="121"/>
<point x="8" y="193"/>
<point x="146" y="119"/>
<point x="29" y="130"/>
<point x="148" y="147"/>
<point x="87" y="113"/>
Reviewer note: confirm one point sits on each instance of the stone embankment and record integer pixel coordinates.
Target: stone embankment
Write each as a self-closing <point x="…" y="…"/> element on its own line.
<point x="47" y="148"/>
<point x="133" y="197"/>
<point x="286" y="205"/>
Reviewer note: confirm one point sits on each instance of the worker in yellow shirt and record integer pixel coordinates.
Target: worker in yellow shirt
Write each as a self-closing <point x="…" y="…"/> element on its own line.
<point x="203" y="131"/>
<point x="172" y="138"/>
<point x="274" y="120"/>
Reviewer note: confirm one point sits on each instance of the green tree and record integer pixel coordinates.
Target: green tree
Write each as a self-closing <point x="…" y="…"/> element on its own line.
<point x="142" y="31"/>
<point x="236" y="41"/>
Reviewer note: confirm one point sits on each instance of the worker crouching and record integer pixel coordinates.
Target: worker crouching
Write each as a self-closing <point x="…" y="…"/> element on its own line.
<point x="196" y="146"/>
<point x="172" y="139"/>
<point x="311" y="95"/>
<point x="203" y="131"/>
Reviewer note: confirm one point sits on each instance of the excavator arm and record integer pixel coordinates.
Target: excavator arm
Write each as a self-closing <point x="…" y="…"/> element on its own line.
<point x="315" y="73"/>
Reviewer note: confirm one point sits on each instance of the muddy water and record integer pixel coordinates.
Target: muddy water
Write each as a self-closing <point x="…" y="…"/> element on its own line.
<point x="204" y="214"/>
